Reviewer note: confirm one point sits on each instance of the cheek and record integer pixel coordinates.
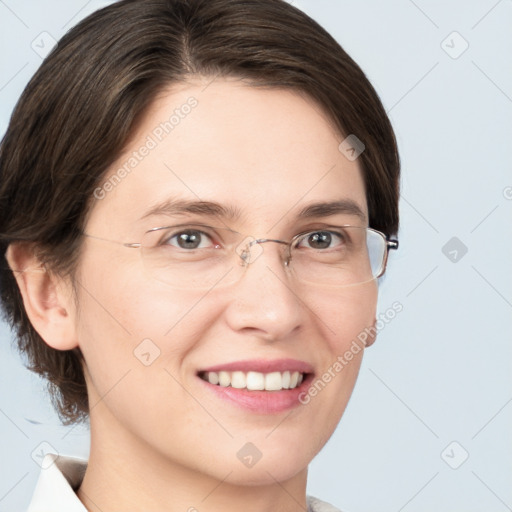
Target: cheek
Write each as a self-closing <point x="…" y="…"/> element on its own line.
<point x="120" y="312"/>
<point x="344" y="314"/>
<point x="345" y="318"/>
<point x="135" y="338"/>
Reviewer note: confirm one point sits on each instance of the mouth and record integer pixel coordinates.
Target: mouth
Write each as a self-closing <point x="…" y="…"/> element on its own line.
<point x="260" y="386"/>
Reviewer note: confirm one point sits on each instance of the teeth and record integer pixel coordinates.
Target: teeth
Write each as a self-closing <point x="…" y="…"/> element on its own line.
<point x="224" y="378"/>
<point x="285" y="379"/>
<point x="238" y="380"/>
<point x="213" y="378"/>
<point x="273" y="381"/>
<point x="255" y="381"/>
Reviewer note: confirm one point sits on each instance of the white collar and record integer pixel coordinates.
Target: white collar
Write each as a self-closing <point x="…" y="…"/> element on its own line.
<point x="55" y="490"/>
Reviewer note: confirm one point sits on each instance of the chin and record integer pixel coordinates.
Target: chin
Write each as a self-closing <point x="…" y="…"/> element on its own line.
<point x="266" y="473"/>
<point x="268" y="460"/>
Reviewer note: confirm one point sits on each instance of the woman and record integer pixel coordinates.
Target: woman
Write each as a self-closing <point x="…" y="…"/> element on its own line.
<point x="198" y="198"/>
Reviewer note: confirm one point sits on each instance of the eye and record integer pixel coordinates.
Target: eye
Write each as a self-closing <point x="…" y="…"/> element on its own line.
<point x="322" y="240"/>
<point x="188" y="239"/>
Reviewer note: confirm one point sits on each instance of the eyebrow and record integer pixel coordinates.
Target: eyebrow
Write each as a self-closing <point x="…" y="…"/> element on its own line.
<point x="232" y="213"/>
<point x="325" y="209"/>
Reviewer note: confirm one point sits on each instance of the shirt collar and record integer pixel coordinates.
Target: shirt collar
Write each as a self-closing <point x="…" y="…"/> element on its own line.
<point x="60" y="477"/>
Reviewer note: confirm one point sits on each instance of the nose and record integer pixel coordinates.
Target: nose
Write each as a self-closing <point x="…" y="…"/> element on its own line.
<point x="264" y="301"/>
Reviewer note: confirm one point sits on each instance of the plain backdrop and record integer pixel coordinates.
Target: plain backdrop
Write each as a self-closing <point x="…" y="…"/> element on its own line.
<point x="429" y="424"/>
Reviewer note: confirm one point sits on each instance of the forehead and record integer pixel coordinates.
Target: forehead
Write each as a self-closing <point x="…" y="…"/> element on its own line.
<point x="264" y="153"/>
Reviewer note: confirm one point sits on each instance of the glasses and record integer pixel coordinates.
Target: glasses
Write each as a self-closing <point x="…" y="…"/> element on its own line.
<point x="201" y="256"/>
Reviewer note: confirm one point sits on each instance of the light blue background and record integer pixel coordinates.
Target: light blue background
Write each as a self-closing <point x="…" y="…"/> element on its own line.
<point x="440" y="371"/>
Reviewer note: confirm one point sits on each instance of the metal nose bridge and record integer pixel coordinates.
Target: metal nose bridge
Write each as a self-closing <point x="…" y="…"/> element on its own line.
<point x="245" y="254"/>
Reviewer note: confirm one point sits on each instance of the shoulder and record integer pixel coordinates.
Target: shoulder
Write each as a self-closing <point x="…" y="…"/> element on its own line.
<point x="316" y="505"/>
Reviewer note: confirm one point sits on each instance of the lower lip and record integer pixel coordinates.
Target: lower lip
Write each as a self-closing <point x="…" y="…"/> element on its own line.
<point x="262" y="402"/>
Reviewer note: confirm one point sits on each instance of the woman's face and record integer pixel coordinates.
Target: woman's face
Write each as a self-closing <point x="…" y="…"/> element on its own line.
<point x="266" y="154"/>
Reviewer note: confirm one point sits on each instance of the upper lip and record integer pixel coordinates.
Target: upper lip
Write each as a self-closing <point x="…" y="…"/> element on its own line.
<point x="262" y="366"/>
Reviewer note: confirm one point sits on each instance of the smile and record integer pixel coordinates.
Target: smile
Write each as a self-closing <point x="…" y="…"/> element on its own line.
<point x="259" y="385"/>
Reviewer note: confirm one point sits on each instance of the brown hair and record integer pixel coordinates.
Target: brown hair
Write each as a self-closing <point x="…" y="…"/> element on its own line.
<point x="78" y="111"/>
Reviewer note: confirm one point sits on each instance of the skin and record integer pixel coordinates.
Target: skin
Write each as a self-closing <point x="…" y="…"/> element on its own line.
<point x="158" y="440"/>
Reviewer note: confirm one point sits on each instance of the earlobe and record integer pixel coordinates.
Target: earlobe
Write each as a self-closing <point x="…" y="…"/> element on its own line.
<point x="46" y="297"/>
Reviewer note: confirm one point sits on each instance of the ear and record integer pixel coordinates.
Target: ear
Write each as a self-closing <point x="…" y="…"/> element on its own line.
<point x="47" y="298"/>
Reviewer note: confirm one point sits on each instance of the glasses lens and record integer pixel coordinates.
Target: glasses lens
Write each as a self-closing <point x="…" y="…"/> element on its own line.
<point x="190" y="256"/>
<point x="339" y="256"/>
<point x="377" y="248"/>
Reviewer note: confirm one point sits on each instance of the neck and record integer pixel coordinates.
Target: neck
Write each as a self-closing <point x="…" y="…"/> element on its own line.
<point x="125" y="473"/>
